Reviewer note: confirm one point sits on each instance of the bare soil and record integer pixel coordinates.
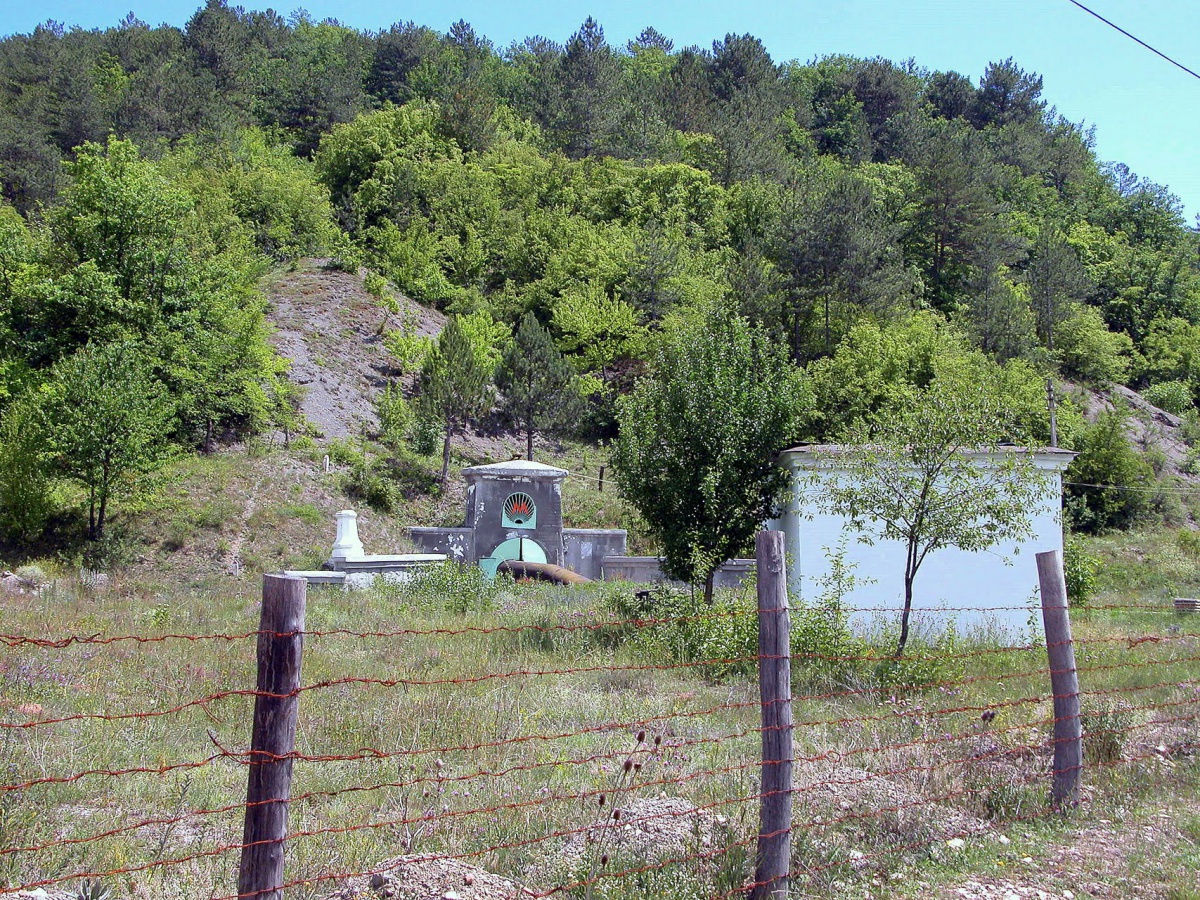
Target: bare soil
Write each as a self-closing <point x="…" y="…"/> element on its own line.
<point x="331" y="330"/>
<point x="1109" y="858"/>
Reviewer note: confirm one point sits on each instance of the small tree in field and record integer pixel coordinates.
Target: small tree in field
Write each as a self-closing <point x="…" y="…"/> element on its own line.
<point x="906" y="478"/>
<point x="699" y="439"/>
<point x="537" y="382"/>
<point x="109" y="420"/>
<point x="456" y="386"/>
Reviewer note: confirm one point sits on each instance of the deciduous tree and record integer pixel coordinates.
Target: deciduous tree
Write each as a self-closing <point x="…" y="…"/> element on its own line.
<point x="915" y="476"/>
<point x="110" y="422"/>
<point x="699" y="437"/>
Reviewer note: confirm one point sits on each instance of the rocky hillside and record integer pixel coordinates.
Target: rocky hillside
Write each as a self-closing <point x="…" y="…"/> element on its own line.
<point x="331" y="330"/>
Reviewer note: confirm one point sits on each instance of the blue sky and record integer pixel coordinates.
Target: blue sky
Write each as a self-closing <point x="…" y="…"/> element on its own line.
<point x="1144" y="109"/>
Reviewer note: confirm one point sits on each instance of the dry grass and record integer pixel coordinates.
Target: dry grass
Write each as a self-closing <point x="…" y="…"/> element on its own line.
<point x="886" y="774"/>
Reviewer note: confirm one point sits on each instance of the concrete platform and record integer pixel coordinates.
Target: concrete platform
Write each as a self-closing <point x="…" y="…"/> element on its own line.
<point x="319" y="576"/>
<point x="398" y="562"/>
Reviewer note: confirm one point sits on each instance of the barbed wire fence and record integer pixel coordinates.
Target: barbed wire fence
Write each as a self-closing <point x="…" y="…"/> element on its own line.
<point x="735" y="787"/>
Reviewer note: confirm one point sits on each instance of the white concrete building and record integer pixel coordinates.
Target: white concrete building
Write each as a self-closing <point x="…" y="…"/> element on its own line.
<point x="994" y="590"/>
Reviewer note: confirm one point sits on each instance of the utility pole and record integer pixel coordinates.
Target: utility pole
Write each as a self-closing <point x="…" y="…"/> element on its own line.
<point x="1053" y="412"/>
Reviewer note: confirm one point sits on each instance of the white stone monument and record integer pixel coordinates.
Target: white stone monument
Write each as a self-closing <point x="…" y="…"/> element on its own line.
<point x="346" y="544"/>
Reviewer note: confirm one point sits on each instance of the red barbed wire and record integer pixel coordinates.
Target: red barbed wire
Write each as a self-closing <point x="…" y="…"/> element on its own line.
<point x="440" y="781"/>
<point x="647" y="750"/>
<point x="708" y="854"/>
<point x="567" y="832"/>
<point x="372" y="754"/>
<point x="216" y="851"/>
<point x="201" y="702"/>
<point x="16" y="640"/>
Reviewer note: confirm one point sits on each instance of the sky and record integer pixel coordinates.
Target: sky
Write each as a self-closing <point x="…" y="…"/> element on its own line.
<point x="1144" y="109"/>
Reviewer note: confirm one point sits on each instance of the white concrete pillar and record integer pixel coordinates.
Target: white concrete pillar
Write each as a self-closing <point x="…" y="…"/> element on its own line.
<point x="346" y="545"/>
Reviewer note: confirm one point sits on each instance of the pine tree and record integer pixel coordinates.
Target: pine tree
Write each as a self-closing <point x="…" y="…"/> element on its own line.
<point x="537" y="384"/>
<point x="455" y="386"/>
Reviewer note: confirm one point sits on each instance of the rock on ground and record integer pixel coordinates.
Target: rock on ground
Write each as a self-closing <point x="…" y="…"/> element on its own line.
<point x="429" y="878"/>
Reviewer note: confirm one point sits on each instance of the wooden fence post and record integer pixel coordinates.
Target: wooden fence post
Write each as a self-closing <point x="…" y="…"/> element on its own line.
<point x="1064" y="681"/>
<point x="775" y="692"/>
<point x="280" y="642"/>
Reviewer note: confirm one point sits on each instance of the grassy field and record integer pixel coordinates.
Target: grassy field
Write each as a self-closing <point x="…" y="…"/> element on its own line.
<point x="484" y="721"/>
<point x="411" y="743"/>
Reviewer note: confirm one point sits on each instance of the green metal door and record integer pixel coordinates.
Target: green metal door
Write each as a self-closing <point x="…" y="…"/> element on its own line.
<point x="523" y="549"/>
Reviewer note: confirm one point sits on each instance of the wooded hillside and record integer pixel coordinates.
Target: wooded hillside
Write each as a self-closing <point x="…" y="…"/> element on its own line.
<point x="886" y="224"/>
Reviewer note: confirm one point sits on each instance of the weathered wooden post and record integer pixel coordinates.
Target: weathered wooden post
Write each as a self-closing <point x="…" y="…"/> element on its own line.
<point x="1064" y="681"/>
<point x="775" y="692"/>
<point x="280" y="642"/>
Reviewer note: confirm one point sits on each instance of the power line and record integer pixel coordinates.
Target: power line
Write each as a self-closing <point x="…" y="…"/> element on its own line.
<point x="1110" y="24"/>
<point x="1183" y="492"/>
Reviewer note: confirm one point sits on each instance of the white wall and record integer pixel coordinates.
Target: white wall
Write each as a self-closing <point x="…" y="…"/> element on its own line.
<point x="994" y="590"/>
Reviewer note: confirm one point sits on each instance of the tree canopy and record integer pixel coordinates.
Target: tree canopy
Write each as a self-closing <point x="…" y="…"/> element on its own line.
<point x="699" y="438"/>
<point x="149" y="176"/>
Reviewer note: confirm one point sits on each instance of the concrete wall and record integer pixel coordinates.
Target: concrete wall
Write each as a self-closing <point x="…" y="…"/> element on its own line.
<point x="584" y="549"/>
<point x="457" y="543"/>
<point x="489" y="486"/>
<point x="992" y="591"/>
<point x="648" y="570"/>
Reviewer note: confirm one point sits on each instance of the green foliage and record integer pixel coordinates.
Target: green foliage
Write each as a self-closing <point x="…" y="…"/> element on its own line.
<point x="1108" y="485"/>
<point x="912" y="476"/>
<point x="456" y="384"/>
<point x="151" y="252"/>
<point x="538" y="387"/>
<point x="1081" y="569"/>
<point x="274" y="196"/>
<point x="698" y="440"/>
<point x="1173" y="396"/>
<point x="1089" y="351"/>
<point x="488" y="339"/>
<point x="851" y="189"/>
<point x="110" y="420"/>
<point x="367" y="481"/>
<point x="452" y="587"/>
<point x="823" y="646"/>
<point x="395" y="415"/>
<point x="923" y="667"/>
<point x="426" y="432"/>
<point x="878" y="372"/>
<point x="1171" y="354"/>
<point x="408" y="347"/>
<point x="721" y="633"/>
<point x="596" y="330"/>
<point x="25" y="483"/>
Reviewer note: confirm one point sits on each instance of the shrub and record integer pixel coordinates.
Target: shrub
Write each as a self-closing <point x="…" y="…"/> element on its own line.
<point x="368" y="481"/>
<point x="34" y="574"/>
<point x="1081" y="569"/>
<point x="344" y="452"/>
<point x="426" y="433"/>
<point x="1108" y="484"/>
<point x="453" y="587"/>
<point x="822" y="644"/>
<point x="1105" y="729"/>
<point x="724" y="634"/>
<point x="1173" y="396"/>
<point x="395" y="415"/>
